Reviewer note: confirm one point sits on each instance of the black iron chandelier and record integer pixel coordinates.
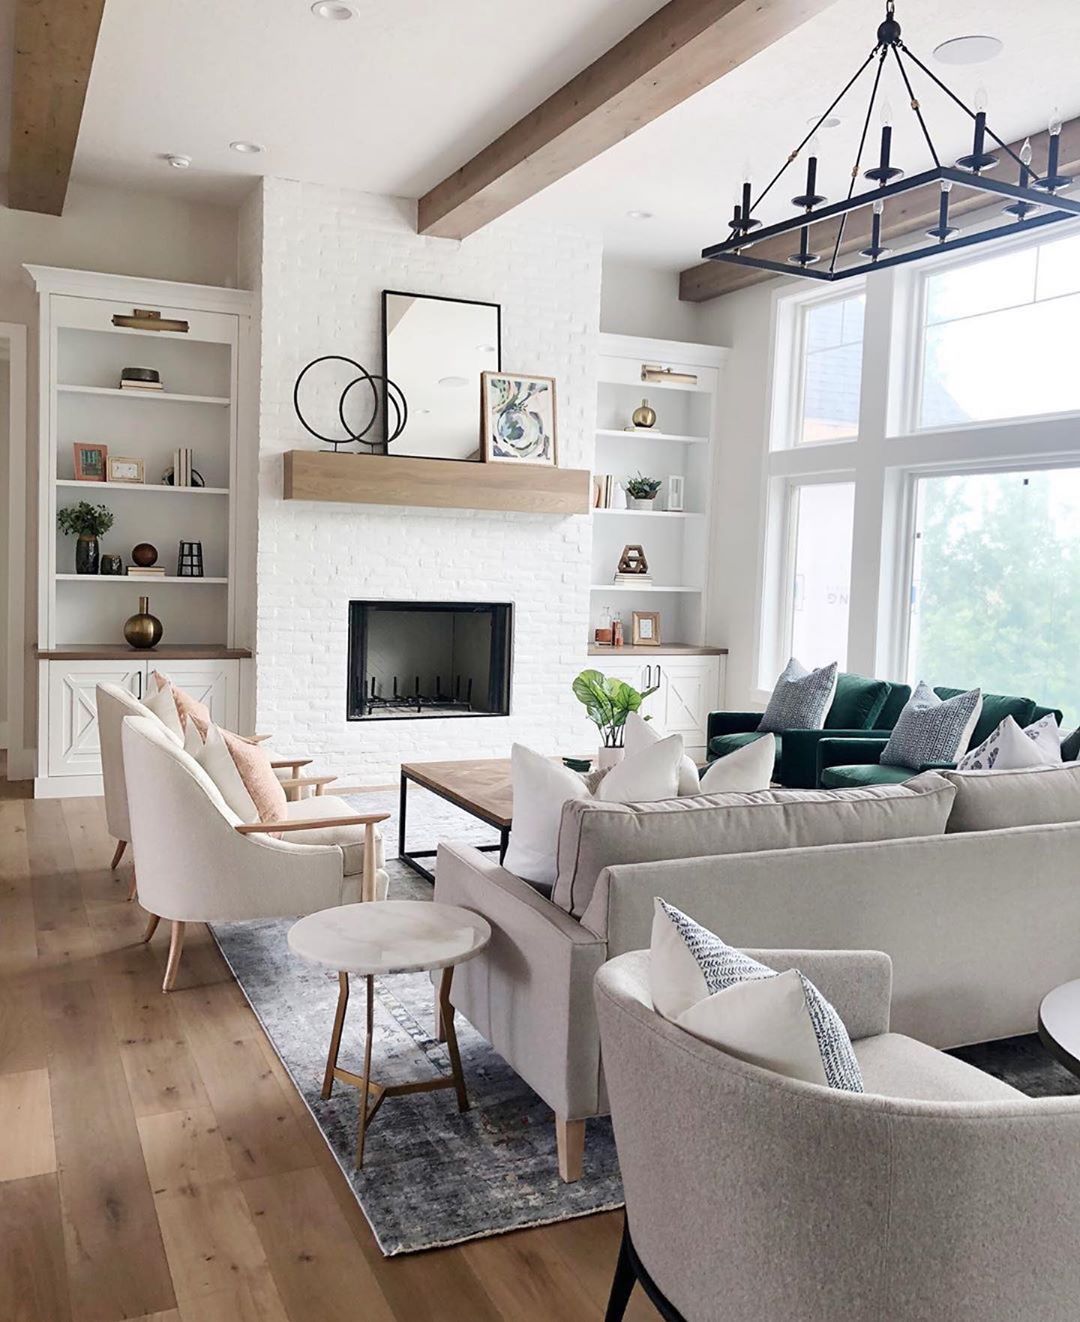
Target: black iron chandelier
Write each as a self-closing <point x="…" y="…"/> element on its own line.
<point x="1026" y="208"/>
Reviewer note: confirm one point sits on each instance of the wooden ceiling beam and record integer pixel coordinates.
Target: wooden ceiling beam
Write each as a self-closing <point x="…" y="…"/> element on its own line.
<point x="907" y="216"/>
<point x="55" y="42"/>
<point x="682" y="48"/>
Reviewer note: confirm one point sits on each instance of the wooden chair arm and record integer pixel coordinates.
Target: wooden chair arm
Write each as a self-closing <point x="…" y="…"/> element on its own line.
<point x="279" y="764"/>
<point x="255" y="738"/>
<point x="299" y="783"/>
<point x="315" y="824"/>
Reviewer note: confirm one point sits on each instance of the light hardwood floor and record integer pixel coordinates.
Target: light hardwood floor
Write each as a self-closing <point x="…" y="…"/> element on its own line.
<point x="156" y="1162"/>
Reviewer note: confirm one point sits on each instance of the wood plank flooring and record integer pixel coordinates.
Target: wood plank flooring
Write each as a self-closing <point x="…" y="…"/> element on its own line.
<point x="156" y="1162"/>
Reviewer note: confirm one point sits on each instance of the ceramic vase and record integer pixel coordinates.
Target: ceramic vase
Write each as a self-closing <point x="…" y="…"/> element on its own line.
<point x="640" y="503"/>
<point x="143" y="630"/>
<point x="87" y="554"/>
<point x="606" y="758"/>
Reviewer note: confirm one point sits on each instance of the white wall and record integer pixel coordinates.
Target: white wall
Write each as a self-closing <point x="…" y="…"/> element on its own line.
<point x="102" y="229"/>
<point x="322" y="257"/>
<point x="642" y="300"/>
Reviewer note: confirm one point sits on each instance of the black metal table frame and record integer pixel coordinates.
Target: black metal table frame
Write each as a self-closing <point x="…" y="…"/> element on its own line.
<point x="410" y="857"/>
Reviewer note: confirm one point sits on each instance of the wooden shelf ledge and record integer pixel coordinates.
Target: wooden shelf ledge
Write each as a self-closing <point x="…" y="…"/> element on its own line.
<point x="365" y="479"/>
<point x="162" y="652"/>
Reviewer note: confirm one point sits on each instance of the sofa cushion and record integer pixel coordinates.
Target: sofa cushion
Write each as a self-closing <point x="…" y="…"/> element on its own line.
<point x="896" y="1066"/>
<point x="996" y="706"/>
<point x="541" y="788"/>
<point x="931" y="729"/>
<point x="857" y="703"/>
<point x="593" y="836"/>
<point x="779" y="1021"/>
<point x="868" y="773"/>
<point x="349" y="839"/>
<point x="801" y="698"/>
<point x="721" y="745"/>
<point x="995" y="800"/>
<point x="652" y="772"/>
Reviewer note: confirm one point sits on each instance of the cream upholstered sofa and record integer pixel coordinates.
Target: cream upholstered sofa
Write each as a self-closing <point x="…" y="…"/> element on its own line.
<point x="530" y="992"/>
<point x="939" y="1193"/>
<point x="198" y="862"/>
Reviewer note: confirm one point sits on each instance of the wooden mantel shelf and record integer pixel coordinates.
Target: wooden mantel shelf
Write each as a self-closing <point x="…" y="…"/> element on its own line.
<point x="365" y="479"/>
<point x="162" y="652"/>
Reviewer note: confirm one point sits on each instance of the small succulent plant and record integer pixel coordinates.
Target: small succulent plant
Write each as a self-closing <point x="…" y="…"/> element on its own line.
<point x="642" y="488"/>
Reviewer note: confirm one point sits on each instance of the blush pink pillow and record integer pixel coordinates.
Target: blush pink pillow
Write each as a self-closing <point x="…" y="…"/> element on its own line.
<point x="255" y="770"/>
<point x="186" y="705"/>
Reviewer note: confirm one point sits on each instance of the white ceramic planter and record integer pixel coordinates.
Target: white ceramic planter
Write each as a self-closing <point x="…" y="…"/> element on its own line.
<point x="606" y="758"/>
<point x="635" y="503"/>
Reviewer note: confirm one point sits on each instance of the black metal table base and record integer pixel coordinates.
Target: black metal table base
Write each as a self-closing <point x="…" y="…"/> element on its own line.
<point x="630" y="1271"/>
<point x="411" y="857"/>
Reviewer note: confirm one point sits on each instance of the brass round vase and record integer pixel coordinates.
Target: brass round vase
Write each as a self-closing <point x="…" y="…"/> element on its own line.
<point x="143" y="630"/>
<point x="644" y="416"/>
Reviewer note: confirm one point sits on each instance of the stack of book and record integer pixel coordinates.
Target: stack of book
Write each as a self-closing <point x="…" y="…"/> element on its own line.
<point x="149" y="571"/>
<point x="140" y="378"/>
<point x="182" y="467"/>
<point x="608" y="493"/>
<point x="635" y="580"/>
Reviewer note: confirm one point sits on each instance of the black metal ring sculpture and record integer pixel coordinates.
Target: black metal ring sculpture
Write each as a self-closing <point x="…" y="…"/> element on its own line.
<point x="392" y="395"/>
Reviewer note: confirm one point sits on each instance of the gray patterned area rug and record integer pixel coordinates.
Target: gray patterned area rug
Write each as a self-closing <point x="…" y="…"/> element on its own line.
<point x="432" y="1176"/>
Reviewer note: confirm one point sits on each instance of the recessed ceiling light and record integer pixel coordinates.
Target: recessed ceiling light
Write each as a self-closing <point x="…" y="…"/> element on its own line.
<point x="968" y="50"/>
<point x="336" y="10"/>
<point x="453" y="381"/>
<point x="246" y="148"/>
<point x="830" y="122"/>
<point x="177" y="162"/>
<point x="485" y="348"/>
<point x="640" y="215"/>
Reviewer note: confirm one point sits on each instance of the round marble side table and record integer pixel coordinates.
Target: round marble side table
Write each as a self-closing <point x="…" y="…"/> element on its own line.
<point x="390" y="936"/>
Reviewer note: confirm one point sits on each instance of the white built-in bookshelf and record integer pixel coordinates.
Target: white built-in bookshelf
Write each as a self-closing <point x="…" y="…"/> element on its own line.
<point x="205" y="373"/>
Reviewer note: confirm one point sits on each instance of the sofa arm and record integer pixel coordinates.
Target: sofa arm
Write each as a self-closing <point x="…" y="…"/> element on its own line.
<point x="799" y="754"/>
<point x="530" y="991"/>
<point x="848" y="752"/>
<point x="731" y="722"/>
<point x="858" y="983"/>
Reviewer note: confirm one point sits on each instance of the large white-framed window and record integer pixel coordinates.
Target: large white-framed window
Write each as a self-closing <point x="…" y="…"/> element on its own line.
<point x="822" y="367"/>
<point x="816" y="571"/>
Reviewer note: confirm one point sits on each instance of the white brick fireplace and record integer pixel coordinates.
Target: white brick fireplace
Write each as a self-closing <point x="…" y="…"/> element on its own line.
<point x="320" y="259"/>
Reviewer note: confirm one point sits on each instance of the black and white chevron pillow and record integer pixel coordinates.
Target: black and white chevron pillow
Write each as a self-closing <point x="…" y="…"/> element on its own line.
<point x="778" y="1020"/>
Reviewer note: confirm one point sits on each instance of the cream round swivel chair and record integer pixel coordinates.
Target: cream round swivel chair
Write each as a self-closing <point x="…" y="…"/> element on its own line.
<point x="198" y="862"/>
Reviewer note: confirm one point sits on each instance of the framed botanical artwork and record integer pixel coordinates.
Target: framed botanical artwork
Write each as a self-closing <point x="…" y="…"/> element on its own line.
<point x="646" y="629"/>
<point x="517" y="419"/>
<point x="122" y="469"/>
<point x="90" y="461"/>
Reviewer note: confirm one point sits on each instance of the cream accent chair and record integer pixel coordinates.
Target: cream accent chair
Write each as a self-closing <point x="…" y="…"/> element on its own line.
<point x="940" y="1194"/>
<point x="113" y="704"/>
<point x="199" y="863"/>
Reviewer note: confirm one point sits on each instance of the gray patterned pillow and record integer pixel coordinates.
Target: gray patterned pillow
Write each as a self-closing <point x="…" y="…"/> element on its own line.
<point x="931" y="731"/>
<point x="801" y="698"/>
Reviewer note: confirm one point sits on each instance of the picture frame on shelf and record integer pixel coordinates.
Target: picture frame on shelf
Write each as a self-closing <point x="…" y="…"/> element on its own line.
<point x="645" y="629"/>
<point x="518" y="419"/>
<point x="675" y="490"/>
<point x="91" y="461"/>
<point x="123" y="468"/>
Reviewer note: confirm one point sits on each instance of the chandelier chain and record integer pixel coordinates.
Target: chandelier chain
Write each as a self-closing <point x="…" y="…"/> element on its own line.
<point x="858" y="156"/>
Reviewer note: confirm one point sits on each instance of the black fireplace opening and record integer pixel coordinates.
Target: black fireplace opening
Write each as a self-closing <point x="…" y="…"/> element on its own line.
<point x="416" y="659"/>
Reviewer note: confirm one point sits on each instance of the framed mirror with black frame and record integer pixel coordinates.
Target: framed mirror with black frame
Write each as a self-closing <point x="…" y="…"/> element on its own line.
<point x="435" y="349"/>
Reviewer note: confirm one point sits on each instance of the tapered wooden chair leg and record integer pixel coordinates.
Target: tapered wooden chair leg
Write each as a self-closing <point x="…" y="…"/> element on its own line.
<point x="176" y="945"/>
<point x="133" y="889"/>
<point x="121" y="845"/>
<point x="570" y="1148"/>
<point x="151" y="927"/>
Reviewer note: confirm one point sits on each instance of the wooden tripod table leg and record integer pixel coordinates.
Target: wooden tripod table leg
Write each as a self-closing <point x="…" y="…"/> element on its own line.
<point x="446" y="1018"/>
<point x="365" y="1087"/>
<point x="335" y="1036"/>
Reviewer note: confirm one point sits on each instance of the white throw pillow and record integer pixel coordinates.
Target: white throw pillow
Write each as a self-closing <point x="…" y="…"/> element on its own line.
<point x="779" y="1021"/>
<point x="193" y="741"/>
<point x="541" y="787"/>
<point x="645" y="776"/>
<point x="1010" y="748"/>
<point x="163" y="705"/>
<point x="216" y="760"/>
<point x="745" y="771"/>
<point x="640" y="734"/>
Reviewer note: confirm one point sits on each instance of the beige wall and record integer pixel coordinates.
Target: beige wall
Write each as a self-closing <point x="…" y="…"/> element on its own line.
<point x="102" y="229"/>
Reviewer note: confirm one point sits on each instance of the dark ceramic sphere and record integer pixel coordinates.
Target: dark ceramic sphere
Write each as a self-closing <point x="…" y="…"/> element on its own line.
<point x="144" y="555"/>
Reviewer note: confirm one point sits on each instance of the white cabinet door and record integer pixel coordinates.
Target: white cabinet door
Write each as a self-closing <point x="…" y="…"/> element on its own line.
<point x="217" y="683"/>
<point x="73" y="731"/>
<point x="690" y="690"/>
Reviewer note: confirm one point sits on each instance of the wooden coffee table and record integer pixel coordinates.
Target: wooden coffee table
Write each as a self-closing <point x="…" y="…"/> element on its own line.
<point x="480" y="787"/>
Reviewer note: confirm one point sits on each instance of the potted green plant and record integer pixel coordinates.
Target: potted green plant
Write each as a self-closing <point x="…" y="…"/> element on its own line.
<point x="608" y="702"/>
<point x="86" y="522"/>
<point x="641" y="491"/>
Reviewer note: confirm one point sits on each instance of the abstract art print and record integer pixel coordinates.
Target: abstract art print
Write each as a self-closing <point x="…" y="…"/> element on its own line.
<point x="518" y="418"/>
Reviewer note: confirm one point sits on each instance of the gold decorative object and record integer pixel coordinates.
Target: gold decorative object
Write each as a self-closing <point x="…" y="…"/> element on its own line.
<point x="632" y="560"/>
<point x="148" y="320"/>
<point x="644" y="416"/>
<point x="653" y="372"/>
<point x="143" y="630"/>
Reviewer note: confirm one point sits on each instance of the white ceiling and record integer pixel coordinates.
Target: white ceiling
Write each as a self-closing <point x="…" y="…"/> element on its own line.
<point x="404" y="93"/>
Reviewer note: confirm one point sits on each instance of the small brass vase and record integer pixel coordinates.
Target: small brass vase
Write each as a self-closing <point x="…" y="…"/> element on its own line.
<point x="143" y="630"/>
<point x="644" y="416"/>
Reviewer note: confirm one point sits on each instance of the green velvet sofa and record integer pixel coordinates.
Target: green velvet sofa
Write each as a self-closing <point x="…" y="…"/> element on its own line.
<point x="862" y="708"/>
<point x="847" y="763"/>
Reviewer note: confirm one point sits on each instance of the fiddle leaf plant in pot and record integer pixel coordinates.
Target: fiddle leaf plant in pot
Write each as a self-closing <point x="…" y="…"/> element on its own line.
<point x="86" y="522"/>
<point x="641" y="491"/>
<point x="608" y="702"/>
